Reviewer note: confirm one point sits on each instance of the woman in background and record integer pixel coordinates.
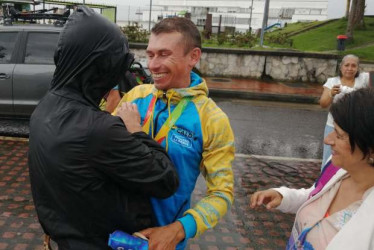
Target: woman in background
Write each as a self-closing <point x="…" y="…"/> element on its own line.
<point x="336" y="213"/>
<point x="348" y="80"/>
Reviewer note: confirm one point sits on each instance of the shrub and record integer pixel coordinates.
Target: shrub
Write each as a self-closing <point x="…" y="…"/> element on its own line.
<point x="135" y="33"/>
<point x="243" y="39"/>
<point x="222" y="38"/>
<point x="278" y="39"/>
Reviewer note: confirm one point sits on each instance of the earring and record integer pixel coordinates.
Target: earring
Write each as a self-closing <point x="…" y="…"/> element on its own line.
<point x="371" y="160"/>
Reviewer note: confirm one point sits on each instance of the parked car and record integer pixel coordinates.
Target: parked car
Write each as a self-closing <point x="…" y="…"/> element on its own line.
<point x="26" y="66"/>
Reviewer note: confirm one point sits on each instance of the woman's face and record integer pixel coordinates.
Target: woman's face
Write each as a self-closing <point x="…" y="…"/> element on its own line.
<point x="342" y="155"/>
<point x="349" y="68"/>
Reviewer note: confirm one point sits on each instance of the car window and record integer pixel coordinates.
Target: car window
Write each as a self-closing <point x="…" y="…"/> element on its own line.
<point x="40" y="47"/>
<point x="7" y="42"/>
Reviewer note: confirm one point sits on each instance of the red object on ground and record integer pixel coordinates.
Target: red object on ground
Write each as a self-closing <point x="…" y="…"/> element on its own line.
<point x="342" y="37"/>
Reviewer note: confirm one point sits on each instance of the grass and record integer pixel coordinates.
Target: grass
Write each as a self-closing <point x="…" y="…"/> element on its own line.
<point x="324" y="38"/>
<point x="319" y="39"/>
<point x="366" y="53"/>
<point x="293" y="27"/>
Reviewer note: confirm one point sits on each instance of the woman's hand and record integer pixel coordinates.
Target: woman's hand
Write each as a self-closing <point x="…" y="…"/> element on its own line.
<point x="270" y="198"/>
<point x="130" y="116"/>
<point x="328" y="95"/>
<point x="335" y="90"/>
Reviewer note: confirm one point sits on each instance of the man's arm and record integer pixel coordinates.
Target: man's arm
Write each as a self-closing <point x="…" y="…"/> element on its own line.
<point x="219" y="152"/>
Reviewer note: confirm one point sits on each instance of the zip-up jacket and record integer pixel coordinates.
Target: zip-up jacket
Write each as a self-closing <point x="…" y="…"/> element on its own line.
<point x="200" y="141"/>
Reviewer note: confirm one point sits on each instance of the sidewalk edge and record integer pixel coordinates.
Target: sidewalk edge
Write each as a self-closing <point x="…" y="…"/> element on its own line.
<point x="262" y="96"/>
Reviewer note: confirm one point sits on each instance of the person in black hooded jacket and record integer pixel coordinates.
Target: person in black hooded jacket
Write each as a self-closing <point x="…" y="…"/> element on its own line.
<point x="89" y="174"/>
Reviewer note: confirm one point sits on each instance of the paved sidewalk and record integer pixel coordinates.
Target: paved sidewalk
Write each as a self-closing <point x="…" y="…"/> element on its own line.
<point x="263" y="90"/>
<point x="241" y="228"/>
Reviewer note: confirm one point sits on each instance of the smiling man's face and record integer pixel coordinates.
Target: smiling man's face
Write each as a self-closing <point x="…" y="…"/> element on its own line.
<point x="168" y="61"/>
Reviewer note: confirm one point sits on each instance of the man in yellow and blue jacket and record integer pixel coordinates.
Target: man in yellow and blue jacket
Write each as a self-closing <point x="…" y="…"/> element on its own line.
<point x="195" y="132"/>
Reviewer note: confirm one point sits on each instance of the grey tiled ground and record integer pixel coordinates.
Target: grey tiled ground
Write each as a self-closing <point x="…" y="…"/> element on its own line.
<point x="241" y="228"/>
<point x="244" y="228"/>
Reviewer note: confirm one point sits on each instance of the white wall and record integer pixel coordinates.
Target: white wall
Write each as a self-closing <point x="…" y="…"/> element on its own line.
<point x="336" y="8"/>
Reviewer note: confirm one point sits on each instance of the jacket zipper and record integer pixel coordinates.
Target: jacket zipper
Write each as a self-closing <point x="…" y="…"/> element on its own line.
<point x="159" y="112"/>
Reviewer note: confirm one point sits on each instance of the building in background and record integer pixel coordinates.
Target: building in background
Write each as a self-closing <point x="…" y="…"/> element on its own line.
<point x="243" y="15"/>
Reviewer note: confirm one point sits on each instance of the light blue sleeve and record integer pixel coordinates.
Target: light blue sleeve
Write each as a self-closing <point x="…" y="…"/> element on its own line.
<point x="189" y="225"/>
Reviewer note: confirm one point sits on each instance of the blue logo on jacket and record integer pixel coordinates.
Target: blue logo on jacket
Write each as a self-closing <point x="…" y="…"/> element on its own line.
<point x="181" y="140"/>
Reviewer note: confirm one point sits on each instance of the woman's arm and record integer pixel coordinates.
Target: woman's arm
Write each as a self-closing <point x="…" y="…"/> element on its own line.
<point x="328" y="95"/>
<point x="292" y="198"/>
<point x="325" y="99"/>
<point x="287" y="200"/>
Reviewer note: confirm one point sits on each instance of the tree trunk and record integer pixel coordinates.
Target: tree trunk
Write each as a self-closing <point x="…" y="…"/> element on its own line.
<point x="347" y="9"/>
<point x="356" y="17"/>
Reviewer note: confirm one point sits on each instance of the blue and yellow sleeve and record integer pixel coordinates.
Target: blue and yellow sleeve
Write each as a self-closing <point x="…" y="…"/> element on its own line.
<point x="218" y="154"/>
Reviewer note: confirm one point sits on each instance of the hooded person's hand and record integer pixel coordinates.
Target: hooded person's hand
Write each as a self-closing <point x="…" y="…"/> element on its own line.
<point x="130" y="116"/>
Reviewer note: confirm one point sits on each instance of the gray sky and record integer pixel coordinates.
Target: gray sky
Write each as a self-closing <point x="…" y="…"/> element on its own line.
<point x="337" y="8"/>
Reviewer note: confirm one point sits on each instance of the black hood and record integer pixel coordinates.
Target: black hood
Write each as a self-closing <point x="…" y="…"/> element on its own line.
<point x="92" y="56"/>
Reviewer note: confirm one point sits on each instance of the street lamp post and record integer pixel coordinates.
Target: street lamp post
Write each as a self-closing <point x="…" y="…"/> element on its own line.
<point x="250" y="18"/>
<point x="150" y="15"/>
<point x="264" y="21"/>
<point x="43" y="9"/>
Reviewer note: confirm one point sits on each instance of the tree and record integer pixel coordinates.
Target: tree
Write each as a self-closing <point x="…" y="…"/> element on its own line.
<point x="347" y="9"/>
<point x="356" y="17"/>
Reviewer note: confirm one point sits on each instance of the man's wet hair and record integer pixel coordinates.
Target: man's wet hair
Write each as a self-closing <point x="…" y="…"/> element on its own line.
<point x="354" y="113"/>
<point x="189" y="31"/>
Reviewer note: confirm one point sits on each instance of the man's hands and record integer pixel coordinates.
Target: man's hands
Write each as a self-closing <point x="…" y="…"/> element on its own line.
<point x="130" y="116"/>
<point x="164" y="238"/>
<point x="270" y="198"/>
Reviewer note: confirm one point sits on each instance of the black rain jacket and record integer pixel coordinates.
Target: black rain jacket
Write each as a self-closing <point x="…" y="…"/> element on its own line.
<point x="90" y="176"/>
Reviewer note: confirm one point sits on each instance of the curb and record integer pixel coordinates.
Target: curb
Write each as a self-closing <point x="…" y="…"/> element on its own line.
<point x="10" y="138"/>
<point x="262" y="96"/>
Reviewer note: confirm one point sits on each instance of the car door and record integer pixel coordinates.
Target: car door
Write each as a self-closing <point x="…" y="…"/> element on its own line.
<point x="7" y="56"/>
<point x="32" y="77"/>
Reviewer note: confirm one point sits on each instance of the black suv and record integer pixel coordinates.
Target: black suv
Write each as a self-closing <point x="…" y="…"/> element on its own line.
<point x="26" y="66"/>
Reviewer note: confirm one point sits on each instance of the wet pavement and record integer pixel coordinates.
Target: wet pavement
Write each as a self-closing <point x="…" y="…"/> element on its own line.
<point x="220" y="88"/>
<point x="241" y="228"/>
<point x="253" y="89"/>
<point x="14" y="127"/>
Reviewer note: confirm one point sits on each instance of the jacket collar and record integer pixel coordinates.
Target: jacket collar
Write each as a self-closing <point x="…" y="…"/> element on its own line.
<point x="198" y="87"/>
